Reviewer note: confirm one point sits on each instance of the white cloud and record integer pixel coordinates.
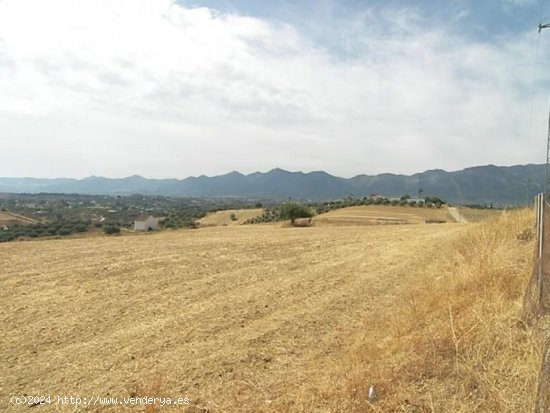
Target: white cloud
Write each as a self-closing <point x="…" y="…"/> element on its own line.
<point x="151" y="87"/>
<point x="521" y="3"/>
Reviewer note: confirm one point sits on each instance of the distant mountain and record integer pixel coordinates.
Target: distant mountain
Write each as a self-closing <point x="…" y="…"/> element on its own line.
<point x="502" y="185"/>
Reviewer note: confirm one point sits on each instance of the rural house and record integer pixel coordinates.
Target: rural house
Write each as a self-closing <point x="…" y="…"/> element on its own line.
<point x="146" y="223"/>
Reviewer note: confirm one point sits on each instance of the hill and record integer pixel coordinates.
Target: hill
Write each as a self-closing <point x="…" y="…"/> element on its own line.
<point x="226" y="216"/>
<point x="503" y="185"/>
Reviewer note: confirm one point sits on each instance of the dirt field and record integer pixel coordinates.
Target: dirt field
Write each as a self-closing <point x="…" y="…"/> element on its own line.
<point x="380" y="214"/>
<point x="224" y="217"/>
<point x="235" y="318"/>
<point x="7" y="219"/>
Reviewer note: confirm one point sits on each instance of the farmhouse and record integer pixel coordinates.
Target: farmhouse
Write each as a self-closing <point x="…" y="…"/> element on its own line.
<point x="146" y="223"/>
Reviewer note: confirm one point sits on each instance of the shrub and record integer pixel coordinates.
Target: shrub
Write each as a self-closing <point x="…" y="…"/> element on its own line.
<point x="111" y="229"/>
<point x="65" y="231"/>
<point x="6" y="236"/>
<point x="80" y="228"/>
<point x="20" y="233"/>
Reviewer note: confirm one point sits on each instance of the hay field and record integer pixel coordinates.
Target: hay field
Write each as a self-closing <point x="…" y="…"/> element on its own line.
<point x="477" y="215"/>
<point x="381" y="214"/>
<point x="224" y="217"/>
<point x="246" y="318"/>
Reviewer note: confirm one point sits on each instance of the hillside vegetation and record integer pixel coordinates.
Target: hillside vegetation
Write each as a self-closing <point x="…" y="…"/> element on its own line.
<point x="261" y="318"/>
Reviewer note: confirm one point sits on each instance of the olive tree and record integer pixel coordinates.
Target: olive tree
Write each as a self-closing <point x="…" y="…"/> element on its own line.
<point x="293" y="211"/>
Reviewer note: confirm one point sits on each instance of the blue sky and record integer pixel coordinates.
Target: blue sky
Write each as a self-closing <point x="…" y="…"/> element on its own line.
<point x="171" y="89"/>
<point x="480" y="19"/>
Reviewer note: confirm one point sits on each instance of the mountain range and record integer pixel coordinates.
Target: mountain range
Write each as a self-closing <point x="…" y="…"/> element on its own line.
<point x="502" y="185"/>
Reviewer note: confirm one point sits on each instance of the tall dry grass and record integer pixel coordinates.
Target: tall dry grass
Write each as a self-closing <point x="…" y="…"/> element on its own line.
<point x="454" y="342"/>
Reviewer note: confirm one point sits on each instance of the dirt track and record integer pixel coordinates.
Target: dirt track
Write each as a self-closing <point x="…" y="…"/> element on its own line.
<point x="457" y="216"/>
<point x="247" y="316"/>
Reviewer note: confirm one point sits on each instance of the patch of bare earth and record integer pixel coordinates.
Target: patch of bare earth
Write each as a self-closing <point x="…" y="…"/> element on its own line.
<point x="7" y="218"/>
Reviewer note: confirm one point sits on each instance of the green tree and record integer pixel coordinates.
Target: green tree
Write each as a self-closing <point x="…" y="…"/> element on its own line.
<point x="434" y="200"/>
<point x="293" y="211"/>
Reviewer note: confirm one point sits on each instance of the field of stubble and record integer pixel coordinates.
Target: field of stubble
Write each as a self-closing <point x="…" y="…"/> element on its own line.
<point x="246" y="318"/>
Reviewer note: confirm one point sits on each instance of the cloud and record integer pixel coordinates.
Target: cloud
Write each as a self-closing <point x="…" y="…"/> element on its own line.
<point x="521" y="3"/>
<point x="156" y="88"/>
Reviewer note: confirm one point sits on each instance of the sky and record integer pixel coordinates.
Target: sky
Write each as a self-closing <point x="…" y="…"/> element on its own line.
<point x="170" y="89"/>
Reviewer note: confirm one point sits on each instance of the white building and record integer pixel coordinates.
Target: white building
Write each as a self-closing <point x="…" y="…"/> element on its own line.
<point x="146" y="223"/>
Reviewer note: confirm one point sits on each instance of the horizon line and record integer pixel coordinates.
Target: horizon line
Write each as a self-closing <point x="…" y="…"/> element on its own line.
<point x="266" y="172"/>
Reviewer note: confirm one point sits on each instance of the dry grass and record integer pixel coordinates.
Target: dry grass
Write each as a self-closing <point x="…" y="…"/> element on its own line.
<point x="454" y="340"/>
<point x="261" y="319"/>
<point x="224" y="217"/>
<point x="477" y="215"/>
<point x="380" y="214"/>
